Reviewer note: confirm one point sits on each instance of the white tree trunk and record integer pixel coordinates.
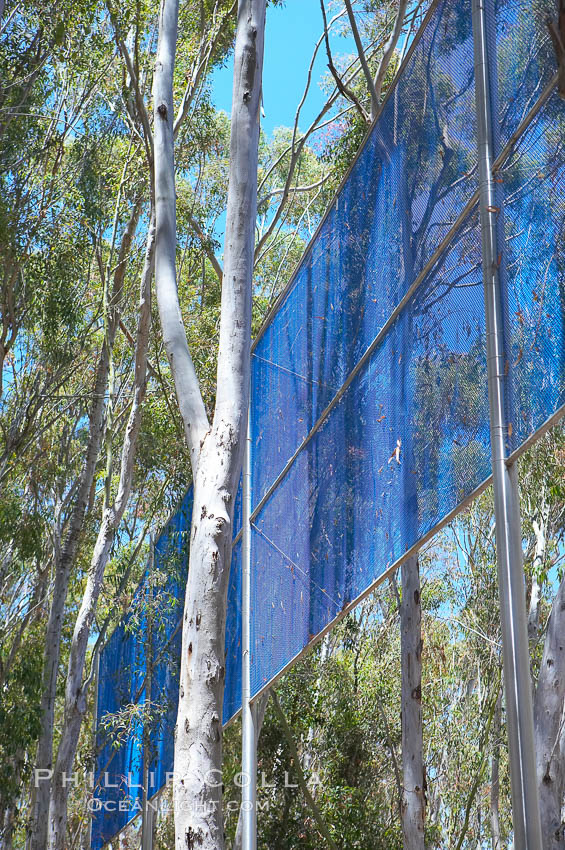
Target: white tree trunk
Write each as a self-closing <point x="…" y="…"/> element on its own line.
<point x="75" y="690"/>
<point x="539" y="526"/>
<point x="44" y="757"/>
<point x="216" y="453"/>
<point x="413" y="802"/>
<point x="189" y="398"/>
<point x="8" y="826"/>
<point x="549" y="720"/>
<point x="363" y="60"/>
<point x="388" y="52"/>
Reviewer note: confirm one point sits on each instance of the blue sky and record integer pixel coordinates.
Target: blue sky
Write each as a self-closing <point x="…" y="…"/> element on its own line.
<point x="291" y="34"/>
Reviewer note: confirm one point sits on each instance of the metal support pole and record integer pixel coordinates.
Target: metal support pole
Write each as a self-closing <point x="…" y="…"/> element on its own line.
<point x="147" y="813"/>
<point x="248" y="713"/>
<point x="518" y="686"/>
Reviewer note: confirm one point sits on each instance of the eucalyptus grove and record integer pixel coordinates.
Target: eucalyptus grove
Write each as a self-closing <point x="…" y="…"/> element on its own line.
<point x="116" y="171"/>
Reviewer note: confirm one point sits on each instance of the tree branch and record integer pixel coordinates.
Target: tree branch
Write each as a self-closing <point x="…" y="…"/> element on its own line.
<point x="293" y="190"/>
<point x="140" y="379"/>
<point x="139" y="102"/>
<point x="191" y="405"/>
<point x="363" y="59"/>
<point x="295" y="149"/>
<point x="193" y="83"/>
<point x="482" y="764"/>
<point x="76" y="689"/>
<point x="131" y="342"/>
<point x="389" y="50"/>
<point x="322" y="826"/>
<point x="557" y="34"/>
<point x="205" y="243"/>
<point x="235" y="323"/>
<point x="345" y="91"/>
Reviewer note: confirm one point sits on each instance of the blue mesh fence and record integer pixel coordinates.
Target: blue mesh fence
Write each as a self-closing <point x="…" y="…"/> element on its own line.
<point x="166" y="605"/>
<point x="525" y="60"/>
<point x="405" y="444"/>
<point x="533" y="193"/>
<point x="370" y="417"/>
<point x="121" y="700"/>
<point x="142" y="655"/>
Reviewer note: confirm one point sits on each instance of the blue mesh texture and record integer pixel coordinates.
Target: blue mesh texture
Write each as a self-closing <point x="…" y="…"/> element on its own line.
<point x="119" y="763"/>
<point x="348" y="507"/>
<point x="532" y="184"/>
<point x="423" y="388"/>
<point x="169" y="580"/>
<point x="405" y="190"/>
<point x="525" y="57"/>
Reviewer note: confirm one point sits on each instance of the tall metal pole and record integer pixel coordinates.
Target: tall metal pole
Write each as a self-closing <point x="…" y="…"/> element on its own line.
<point x="248" y="726"/>
<point x="147" y="813"/>
<point x="518" y="686"/>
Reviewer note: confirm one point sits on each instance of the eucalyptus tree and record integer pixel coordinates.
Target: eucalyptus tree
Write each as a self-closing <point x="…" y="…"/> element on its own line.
<point x="543" y="499"/>
<point x="112" y="260"/>
<point x="549" y="707"/>
<point x="216" y="451"/>
<point x="215" y="447"/>
<point x="94" y="500"/>
<point x="46" y="87"/>
<point x="68" y="550"/>
<point x="45" y="248"/>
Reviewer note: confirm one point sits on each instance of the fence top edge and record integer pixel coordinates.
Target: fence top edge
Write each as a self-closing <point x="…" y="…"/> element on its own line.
<point x="390" y="91"/>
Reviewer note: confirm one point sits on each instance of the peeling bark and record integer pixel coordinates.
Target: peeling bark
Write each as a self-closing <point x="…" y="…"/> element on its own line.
<point x="413" y="802"/>
<point x="216" y="453"/>
<point x="198" y="744"/>
<point x="539" y="527"/>
<point x="549" y="719"/>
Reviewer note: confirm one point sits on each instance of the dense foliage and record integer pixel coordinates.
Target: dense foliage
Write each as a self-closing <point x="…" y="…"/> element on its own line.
<point x="75" y="209"/>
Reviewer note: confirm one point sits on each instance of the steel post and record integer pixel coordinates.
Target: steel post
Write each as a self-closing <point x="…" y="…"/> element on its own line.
<point x="517" y="680"/>
<point x="147" y="813"/>
<point x="248" y="724"/>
